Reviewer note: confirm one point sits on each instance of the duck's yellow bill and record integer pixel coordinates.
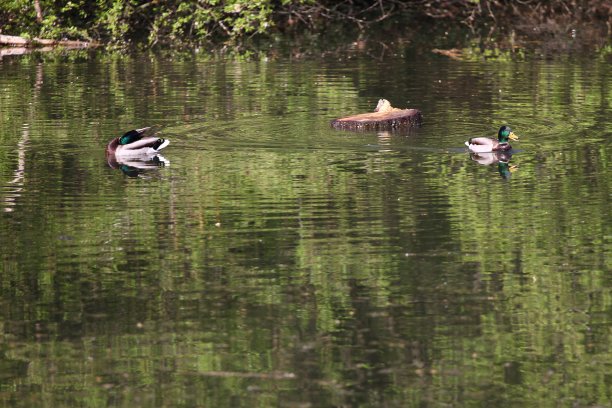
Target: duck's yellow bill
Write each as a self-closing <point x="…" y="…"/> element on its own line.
<point x="512" y="136"/>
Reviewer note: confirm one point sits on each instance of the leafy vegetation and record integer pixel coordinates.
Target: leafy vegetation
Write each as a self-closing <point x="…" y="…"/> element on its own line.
<point x="192" y="22"/>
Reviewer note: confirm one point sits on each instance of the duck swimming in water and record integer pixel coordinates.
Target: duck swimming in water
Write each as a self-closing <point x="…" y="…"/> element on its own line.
<point x="485" y="145"/>
<point x="135" y="143"/>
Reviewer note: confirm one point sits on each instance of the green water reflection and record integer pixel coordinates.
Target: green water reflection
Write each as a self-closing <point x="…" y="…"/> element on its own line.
<point x="276" y="262"/>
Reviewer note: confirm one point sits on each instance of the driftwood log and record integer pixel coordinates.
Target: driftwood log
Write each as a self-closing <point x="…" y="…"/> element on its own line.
<point x="15" y="41"/>
<point x="384" y="117"/>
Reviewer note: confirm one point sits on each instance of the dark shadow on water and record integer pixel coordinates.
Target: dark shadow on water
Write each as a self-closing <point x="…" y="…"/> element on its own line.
<point x="11" y="369"/>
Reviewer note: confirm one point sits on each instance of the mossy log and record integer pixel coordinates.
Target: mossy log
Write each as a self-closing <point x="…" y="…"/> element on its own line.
<point x="384" y="117"/>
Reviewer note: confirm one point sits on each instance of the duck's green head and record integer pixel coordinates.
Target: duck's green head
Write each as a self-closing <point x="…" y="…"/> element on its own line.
<point x="130" y="137"/>
<point x="506" y="133"/>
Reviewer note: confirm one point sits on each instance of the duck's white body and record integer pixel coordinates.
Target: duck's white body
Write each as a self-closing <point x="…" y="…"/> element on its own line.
<point x="135" y="144"/>
<point x="486" y="145"/>
<point x="147" y="146"/>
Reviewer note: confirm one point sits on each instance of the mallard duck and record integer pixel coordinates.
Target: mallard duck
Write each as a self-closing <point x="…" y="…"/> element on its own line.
<point x="134" y="143"/>
<point x="485" y="145"/>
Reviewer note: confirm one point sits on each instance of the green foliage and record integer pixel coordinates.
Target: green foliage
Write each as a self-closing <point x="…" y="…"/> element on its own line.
<point x="126" y="21"/>
<point x="198" y="21"/>
<point x="17" y="17"/>
<point x="192" y="22"/>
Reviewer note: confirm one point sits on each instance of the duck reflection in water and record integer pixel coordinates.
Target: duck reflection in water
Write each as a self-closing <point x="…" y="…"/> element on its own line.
<point x="135" y="152"/>
<point x="135" y="166"/>
<point x="502" y="159"/>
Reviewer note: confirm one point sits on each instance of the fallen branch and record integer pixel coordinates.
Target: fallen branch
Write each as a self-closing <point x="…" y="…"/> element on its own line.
<point x="16" y="41"/>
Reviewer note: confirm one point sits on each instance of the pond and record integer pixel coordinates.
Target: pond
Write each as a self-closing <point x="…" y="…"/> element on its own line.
<point x="270" y="260"/>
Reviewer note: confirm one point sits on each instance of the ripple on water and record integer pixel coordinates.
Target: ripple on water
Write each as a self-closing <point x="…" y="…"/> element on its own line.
<point x="272" y="238"/>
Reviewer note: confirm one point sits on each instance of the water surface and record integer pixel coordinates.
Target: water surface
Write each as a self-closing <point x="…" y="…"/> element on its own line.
<point x="274" y="261"/>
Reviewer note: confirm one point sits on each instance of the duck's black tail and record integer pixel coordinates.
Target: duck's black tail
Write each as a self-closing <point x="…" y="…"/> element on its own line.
<point x="160" y="144"/>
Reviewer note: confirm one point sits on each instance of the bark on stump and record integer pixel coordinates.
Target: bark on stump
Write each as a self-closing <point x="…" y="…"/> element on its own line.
<point x="384" y="117"/>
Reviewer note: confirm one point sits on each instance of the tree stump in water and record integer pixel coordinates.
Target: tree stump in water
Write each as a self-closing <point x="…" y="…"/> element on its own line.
<point x="384" y="117"/>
